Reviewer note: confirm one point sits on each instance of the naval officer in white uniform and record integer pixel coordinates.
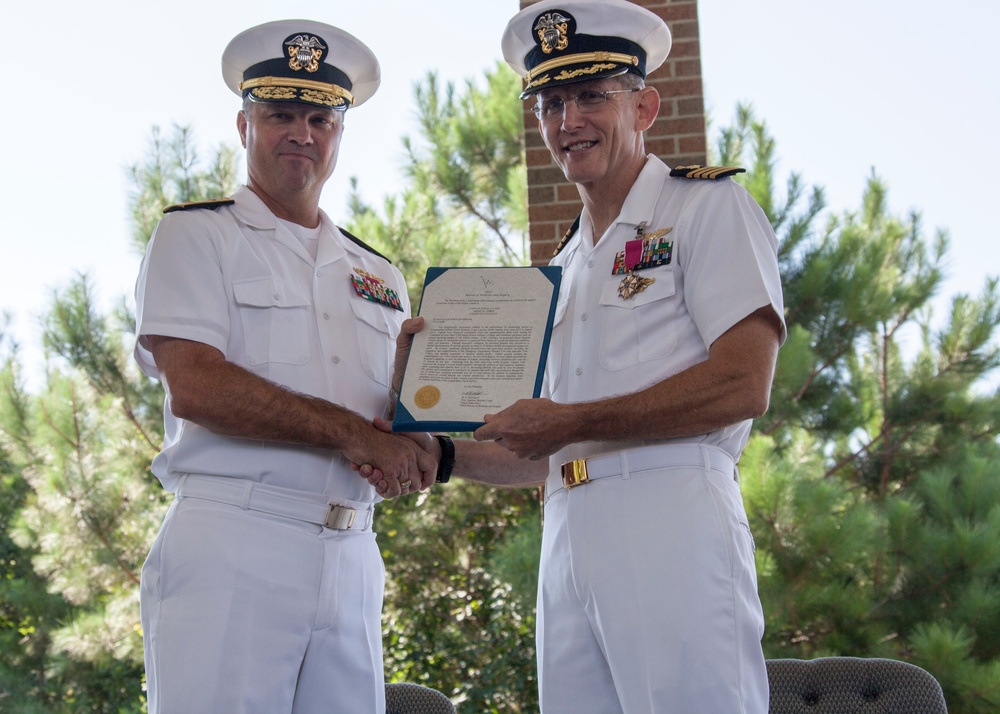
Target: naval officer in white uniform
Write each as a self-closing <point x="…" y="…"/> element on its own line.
<point x="273" y="332"/>
<point x="667" y="330"/>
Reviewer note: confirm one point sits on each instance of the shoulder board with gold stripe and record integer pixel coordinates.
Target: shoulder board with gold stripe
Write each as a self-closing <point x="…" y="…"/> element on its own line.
<point x="566" y="236"/>
<point x="358" y="241"/>
<point x="212" y="203"/>
<point x="705" y="172"/>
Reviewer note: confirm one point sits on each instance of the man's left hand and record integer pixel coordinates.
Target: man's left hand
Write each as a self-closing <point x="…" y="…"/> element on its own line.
<point x="530" y="428"/>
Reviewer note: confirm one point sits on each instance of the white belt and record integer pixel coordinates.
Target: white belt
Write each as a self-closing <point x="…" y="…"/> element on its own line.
<point x="619" y="463"/>
<point x="297" y="505"/>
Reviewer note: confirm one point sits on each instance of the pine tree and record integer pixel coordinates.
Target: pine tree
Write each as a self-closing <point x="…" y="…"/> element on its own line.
<point x="82" y="507"/>
<point x="471" y="151"/>
<point x="27" y="610"/>
<point x="871" y="483"/>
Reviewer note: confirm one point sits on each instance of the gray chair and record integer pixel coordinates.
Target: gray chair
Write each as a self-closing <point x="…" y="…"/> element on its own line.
<point x="405" y="698"/>
<point x="852" y="685"/>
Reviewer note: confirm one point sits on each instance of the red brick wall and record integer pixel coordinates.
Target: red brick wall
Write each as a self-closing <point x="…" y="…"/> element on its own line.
<point x="677" y="136"/>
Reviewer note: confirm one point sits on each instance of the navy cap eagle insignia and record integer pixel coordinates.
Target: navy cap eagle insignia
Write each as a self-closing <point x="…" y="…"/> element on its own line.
<point x="552" y="28"/>
<point x="305" y="52"/>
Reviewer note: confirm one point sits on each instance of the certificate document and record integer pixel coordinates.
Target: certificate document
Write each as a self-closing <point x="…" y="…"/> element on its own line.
<point x="482" y="348"/>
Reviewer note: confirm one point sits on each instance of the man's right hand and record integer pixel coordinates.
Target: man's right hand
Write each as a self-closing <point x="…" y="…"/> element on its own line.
<point x="395" y="464"/>
<point x="226" y="399"/>
<point x="424" y="442"/>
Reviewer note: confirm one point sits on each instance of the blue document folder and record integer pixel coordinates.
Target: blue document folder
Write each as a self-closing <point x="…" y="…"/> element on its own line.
<point x="484" y="345"/>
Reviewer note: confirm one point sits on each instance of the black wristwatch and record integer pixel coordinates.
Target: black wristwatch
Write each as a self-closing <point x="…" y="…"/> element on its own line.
<point x="447" y="462"/>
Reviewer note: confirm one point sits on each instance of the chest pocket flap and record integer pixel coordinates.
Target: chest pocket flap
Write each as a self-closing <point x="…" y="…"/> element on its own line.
<point x="266" y="292"/>
<point x="638" y="329"/>
<point x="662" y="287"/>
<point x="275" y="318"/>
<point x="377" y="327"/>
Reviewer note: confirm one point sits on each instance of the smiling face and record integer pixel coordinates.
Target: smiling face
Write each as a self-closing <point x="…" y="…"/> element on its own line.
<point x="598" y="147"/>
<point x="291" y="150"/>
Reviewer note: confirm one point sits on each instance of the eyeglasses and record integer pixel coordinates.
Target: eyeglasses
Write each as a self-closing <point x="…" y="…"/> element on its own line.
<point x="587" y="101"/>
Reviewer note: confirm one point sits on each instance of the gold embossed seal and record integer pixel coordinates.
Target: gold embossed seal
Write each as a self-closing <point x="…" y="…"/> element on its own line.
<point x="427" y="396"/>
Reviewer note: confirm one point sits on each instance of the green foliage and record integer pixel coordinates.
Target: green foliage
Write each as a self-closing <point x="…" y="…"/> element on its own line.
<point x="871" y="483"/>
<point x="472" y="153"/>
<point x="465" y="202"/>
<point x="458" y="617"/>
<point x="79" y="507"/>
<point x="172" y="173"/>
<point x="26" y="608"/>
<point x="74" y="532"/>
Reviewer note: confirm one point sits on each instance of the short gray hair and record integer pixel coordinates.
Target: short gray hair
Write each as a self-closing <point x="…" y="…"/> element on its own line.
<point x="630" y="81"/>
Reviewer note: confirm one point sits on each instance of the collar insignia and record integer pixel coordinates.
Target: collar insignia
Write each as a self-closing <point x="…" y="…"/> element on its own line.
<point x="305" y="52"/>
<point x="552" y="28"/>
<point x="567" y="235"/>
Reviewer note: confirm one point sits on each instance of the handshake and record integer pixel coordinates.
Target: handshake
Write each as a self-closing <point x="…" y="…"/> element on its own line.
<point x="509" y="449"/>
<point x="406" y="463"/>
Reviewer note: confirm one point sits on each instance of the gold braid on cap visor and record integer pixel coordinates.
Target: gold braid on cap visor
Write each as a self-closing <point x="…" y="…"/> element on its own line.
<point x="579" y="59"/>
<point x="337" y="94"/>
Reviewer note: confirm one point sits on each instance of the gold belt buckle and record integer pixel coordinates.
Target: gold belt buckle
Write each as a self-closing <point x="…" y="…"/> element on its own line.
<point x="574" y="473"/>
<point x="340" y="518"/>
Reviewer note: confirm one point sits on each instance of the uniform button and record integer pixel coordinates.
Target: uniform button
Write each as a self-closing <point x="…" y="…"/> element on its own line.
<point x="277" y="296"/>
<point x="335" y="359"/>
<point x="590" y="264"/>
<point x="326" y="316"/>
<point x="583" y="317"/>
<point x="579" y="371"/>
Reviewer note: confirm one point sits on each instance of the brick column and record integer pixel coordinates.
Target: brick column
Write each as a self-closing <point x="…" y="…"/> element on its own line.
<point x="677" y="136"/>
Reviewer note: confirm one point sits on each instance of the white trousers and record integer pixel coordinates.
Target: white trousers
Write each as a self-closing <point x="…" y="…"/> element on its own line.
<point x="647" y="599"/>
<point x="245" y="612"/>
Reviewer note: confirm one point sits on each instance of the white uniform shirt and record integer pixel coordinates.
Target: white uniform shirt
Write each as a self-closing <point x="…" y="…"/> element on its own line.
<point x="236" y="279"/>
<point x="723" y="267"/>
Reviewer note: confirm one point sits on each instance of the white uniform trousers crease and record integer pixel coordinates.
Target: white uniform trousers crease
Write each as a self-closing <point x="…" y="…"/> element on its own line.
<point x="222" y="586"/>
<point x="653" y="573"/>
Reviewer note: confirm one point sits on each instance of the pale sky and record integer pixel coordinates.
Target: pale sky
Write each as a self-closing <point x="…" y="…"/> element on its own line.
<point x="901" y="86"/>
